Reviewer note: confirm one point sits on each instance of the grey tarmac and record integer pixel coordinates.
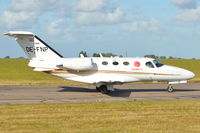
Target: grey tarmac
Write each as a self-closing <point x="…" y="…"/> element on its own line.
<point x="88" y="94"/>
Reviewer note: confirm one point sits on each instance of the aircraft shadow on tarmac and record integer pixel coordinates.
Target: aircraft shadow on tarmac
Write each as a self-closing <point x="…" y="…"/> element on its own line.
<point x="127" y="92"/>
<point x="75" y="89"/>
<point x="119" y="92"/>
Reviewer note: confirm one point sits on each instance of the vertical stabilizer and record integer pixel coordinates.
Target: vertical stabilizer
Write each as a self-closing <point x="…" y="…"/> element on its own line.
<point x="33" y="46"/>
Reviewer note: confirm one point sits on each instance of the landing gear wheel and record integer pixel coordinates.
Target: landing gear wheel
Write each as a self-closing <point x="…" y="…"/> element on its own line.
<point x="98" y="89"/>
<point x="104" y="89"/>
<point x="170" y="88"/>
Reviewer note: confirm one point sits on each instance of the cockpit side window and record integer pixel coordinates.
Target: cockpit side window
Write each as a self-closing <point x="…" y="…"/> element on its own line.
<point x="150" y="64"/>
<point x="157" y="63"/>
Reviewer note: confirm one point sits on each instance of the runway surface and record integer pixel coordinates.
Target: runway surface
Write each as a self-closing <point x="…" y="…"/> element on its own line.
<point x="84" y="94"/>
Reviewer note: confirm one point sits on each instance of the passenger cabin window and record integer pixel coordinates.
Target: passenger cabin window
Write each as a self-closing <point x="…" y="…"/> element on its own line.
<point x="149" y="64"/>
<point x="126" y="63"/>
<point x="157" y="63"/>
<point x="105" y="63"/>
<point x="115" y="63"/>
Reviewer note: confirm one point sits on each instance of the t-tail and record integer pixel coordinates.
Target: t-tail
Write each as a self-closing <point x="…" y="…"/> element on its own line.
<point x="42" y="56"/>
<point x="33" y="46"/>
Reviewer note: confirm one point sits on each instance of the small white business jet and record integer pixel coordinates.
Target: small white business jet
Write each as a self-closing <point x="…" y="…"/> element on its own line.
<point x="100" y="71"/>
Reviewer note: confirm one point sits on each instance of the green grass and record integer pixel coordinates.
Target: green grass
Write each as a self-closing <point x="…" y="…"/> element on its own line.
<point x="17" y="72"/>
<point x="124" y="117"/>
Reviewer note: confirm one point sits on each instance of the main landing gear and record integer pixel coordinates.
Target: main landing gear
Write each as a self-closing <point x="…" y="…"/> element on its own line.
<point x="170" y="88"/>
<point x="104" y="89"/>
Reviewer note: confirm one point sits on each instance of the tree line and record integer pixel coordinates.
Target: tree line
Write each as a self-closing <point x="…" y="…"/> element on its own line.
<point x="84" y="53"/>
<point x="160" y="57"/>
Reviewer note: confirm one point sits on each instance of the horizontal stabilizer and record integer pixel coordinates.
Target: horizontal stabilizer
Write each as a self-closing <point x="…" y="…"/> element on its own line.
<point x="18" y="33"/>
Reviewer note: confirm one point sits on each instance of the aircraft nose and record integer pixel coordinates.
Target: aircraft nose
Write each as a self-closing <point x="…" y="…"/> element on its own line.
<point x="188" y="74"/>
<point x="182" y="74"/>
<point x="191" y="75"/>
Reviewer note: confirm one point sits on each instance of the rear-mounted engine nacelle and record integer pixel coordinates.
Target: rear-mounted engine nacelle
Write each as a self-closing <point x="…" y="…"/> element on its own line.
<point x="79" y="64"/>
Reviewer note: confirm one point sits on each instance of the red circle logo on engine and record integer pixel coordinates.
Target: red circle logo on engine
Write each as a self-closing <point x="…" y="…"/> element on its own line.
<point x="137" y="64"/>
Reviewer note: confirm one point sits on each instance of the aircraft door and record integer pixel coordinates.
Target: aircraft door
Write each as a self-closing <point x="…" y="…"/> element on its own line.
<point x="150" y="67"/>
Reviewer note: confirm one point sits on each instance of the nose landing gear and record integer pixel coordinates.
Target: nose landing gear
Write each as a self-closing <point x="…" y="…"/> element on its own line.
<point x="170" y="88"/>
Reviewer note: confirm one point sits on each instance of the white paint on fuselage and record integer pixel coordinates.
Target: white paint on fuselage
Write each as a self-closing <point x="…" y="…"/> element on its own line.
<point x="125" y="73"/>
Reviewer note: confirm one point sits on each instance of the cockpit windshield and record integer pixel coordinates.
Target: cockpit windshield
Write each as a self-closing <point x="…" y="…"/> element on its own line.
<point x="157" y="63"/>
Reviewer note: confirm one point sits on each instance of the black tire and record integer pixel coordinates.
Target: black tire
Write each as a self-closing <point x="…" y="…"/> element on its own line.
<point x="98" y="89"/>
<point x="104" y="89"/>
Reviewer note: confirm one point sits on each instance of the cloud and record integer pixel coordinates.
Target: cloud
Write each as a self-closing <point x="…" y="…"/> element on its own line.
<point x="185" y="4"/>
<point x="189" y="15"/>
<point x="56" y="27"/>
<point x="143" y="25"/>
<point x="24" y="13"/>
<point x="189" y="11"/>
<point x="61" y="30"/>
<point x="35" y="5"/>
<point x="90" y="5"/>
<point x="94" y="18"/>
<point x="17" y="19"/>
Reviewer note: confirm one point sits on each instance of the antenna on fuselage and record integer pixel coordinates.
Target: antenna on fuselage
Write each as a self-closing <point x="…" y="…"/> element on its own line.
<point x="82" y="56"/>
<point x="100" y="55"/>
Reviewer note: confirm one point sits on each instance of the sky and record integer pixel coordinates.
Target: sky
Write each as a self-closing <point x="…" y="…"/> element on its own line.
<point x="132" y="27"/>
